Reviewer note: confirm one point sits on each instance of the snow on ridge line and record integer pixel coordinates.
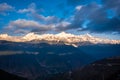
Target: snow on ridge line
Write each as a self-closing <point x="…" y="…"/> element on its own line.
<point x="67" y="38"/>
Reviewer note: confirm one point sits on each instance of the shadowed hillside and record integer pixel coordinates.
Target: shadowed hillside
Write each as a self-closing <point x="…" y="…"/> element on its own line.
<point x="40" y="60"/>
<point x="7" y="76"/>
<point x="106" y="69"/>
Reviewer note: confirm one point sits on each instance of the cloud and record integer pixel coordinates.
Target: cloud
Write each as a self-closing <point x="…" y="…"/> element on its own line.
<point x="111" y="4"/>
<point x="115" y="5"/>
<point x="47" y="19"/>
<point x="4" y="7"/>
<point x="24" y="10"/>
<point x="62" y="26"/>
<point x="25" y="26"/>
<point x="106" y="18"/>
<point x="31" y="9"/>
<point x="87" y="15"/>
<point x="80" y="15"/>
<point x="33" y="12"/>
<point x="78" y="7"/>
<point x="95" y="17"/>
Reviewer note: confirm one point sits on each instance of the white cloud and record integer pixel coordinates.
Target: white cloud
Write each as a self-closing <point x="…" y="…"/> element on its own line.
<point x="25" y="26"/>
<point x="33" y="12"/>
<point x="31" y="9"/>
<point x="63" y="24"/>
<point x="23" y="23"/>
<point x="78" y="7"/>
<point x="4" y="7"/>
<point x="46" y="19"/>
<point x="24" y="10"/>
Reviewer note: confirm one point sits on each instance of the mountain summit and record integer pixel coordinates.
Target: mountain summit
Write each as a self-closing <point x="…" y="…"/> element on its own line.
<point x="65" y="38"/>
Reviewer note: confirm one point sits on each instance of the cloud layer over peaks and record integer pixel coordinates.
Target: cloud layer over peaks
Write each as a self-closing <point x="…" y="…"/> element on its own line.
<point x="24" y="26"/>
<point x="74" y="16"/>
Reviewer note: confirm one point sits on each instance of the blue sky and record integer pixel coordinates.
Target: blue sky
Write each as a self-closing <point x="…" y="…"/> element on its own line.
<point x="97" y="17"/>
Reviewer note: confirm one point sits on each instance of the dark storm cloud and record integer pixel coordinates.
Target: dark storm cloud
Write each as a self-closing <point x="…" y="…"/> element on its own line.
<point x="82" y="15"/>
<point x="99" y="15"/>
<point x="100" y="21"/>
<point x="103" y="26"/>
<point x="112" y="5"/>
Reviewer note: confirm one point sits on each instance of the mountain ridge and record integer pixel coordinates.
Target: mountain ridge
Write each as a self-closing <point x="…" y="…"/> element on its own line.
<point x="66" y="38"/>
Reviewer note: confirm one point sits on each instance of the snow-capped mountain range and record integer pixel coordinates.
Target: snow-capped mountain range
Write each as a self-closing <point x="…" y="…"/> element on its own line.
<point x="65" y="38"/>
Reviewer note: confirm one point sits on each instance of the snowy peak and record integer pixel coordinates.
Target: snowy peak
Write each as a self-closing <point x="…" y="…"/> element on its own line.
<point x="4" y="36"/>
<point x="66" y="38"/>
<point x="30" y="36"/>
<point x="88" y="35"/>
<point x="64" y="34"/>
